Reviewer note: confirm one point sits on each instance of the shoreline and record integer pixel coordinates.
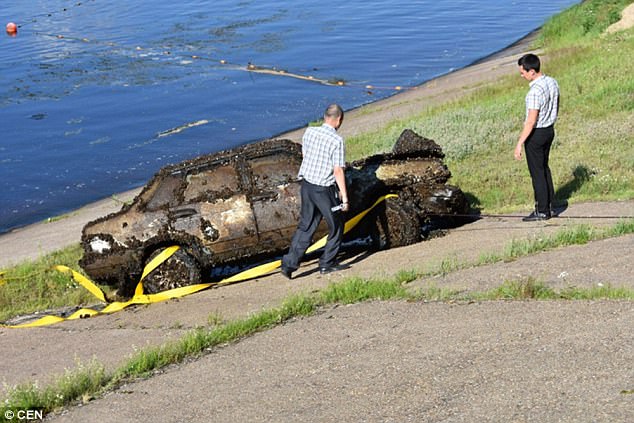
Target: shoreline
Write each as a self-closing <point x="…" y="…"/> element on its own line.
<point x="37" y="239"/>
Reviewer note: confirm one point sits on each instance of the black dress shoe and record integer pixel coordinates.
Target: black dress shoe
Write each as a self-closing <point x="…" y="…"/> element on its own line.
<point x="288" y="274"/>
<point x="333" y="268"/>
<point x="535" y="216"/>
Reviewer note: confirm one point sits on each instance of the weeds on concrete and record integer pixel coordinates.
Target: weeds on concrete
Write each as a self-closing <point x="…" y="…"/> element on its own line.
<point x="86" y="382"/>
<point x="519" y="290"/>
<point x="78" y="385"/>
<point x="357" y="289"/>
<point x="534" y="289"/>
<point x="573" y="235"/>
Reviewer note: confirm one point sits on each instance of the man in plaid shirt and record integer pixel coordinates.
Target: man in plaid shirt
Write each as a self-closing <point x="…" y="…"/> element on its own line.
<point x="323" y="189"/>
<point x="542" y="107"/>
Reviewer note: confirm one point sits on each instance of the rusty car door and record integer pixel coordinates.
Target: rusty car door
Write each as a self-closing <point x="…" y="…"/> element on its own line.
<point x="275" y="198"/>
<point x="216" y="208"/>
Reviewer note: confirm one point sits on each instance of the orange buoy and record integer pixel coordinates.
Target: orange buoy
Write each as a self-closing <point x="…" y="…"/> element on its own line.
<point x="12" y="28"/>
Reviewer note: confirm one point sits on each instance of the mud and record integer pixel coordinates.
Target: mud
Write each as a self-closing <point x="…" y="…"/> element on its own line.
<point x="242" y="205"/>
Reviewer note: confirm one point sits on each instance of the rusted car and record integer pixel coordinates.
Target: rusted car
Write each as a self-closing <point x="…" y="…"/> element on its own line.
<point x="241" y="206"/>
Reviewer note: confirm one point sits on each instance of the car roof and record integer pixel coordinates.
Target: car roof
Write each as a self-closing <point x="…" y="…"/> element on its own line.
<point x="251" y="151"/>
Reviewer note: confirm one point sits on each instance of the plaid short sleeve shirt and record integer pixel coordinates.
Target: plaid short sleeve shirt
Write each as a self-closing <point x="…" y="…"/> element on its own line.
<point x="543" y="95"/>
<point x="322" y="150"/>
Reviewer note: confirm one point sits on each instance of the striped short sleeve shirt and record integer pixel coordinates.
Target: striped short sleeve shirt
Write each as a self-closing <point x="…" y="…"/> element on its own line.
<point x="323" y="149"/>
<point x="543" y="95"/>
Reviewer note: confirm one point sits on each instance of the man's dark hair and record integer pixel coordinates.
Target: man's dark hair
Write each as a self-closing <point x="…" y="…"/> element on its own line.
<point x="529" y="62"/>
<point x="333" y="111"/>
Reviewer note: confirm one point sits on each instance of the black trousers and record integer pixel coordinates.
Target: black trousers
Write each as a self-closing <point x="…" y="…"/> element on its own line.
<point x="537" y="148"/>
<point x="317" y="202"/>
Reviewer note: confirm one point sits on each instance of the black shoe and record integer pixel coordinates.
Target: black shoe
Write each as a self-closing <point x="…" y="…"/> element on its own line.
<point x="333" y="268"/>
<point x="288" y="274"/>
<point x="535" y="216"/>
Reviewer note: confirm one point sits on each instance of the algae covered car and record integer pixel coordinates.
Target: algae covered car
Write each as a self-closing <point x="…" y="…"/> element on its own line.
<point x="241" y="206"/>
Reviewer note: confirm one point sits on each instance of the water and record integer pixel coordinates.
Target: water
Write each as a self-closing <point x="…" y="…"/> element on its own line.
<point x="118" y="96"/>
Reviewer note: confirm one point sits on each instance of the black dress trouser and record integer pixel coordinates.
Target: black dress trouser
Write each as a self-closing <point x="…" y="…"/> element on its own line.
<point x="537" y="148"/>
<point x="317" y="202"/>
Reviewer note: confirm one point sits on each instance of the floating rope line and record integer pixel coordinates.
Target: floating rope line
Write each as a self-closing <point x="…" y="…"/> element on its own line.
<point x="250" y="67"/>
<point x="82" y="39"/>
<point x="280" y="72"/>
<point x="35" y="18"/>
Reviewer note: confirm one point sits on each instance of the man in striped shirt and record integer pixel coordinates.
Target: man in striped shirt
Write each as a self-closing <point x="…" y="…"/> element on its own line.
<point x="542" y="107"/>
<point x="323" y="193"/>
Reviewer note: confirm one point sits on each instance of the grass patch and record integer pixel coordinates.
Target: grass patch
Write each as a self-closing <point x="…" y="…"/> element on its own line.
<point x="533" y="289"/>
<point x="357" y="289"/>
<point x="80" y="384"/>
<point x="519" y="290"/>
<point x="58" y="218"/>
<point x="435" y="293"/>
<point x="574" y="235"/>
<point x="601" y="291"/>
<point x="623" y="227"/>
<point x="35" y="286"/>
<point x="581" y="23"/>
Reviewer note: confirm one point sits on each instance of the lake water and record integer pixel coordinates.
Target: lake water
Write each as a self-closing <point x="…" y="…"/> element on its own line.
<point x="96" y="96"/>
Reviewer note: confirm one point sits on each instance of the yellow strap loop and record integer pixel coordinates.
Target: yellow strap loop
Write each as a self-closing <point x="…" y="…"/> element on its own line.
<point x="83" y="281"/>
<point x="153" y="264"/>
<point x="140" y="298"/>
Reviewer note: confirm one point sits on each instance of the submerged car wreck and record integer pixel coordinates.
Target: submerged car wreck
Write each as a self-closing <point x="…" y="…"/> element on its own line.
<point x="242" y="205"/>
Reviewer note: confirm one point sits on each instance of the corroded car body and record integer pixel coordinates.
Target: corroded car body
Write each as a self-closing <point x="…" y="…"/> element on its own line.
<point x="242" y="205"/>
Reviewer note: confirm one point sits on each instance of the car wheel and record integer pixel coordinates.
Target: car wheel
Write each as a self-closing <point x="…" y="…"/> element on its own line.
<point x="181" y="269"/>
<point x="395" y="225"/>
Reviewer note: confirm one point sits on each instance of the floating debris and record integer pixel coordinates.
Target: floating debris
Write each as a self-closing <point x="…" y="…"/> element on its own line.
<point x="181" y="128"/>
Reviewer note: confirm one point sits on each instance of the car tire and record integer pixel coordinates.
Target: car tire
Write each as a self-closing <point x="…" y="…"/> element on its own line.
<point x="395" y="225"/>
<point x="180" y="269"/>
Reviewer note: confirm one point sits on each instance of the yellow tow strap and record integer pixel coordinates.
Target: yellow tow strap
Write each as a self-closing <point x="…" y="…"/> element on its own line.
<point x="141" y="298"/>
